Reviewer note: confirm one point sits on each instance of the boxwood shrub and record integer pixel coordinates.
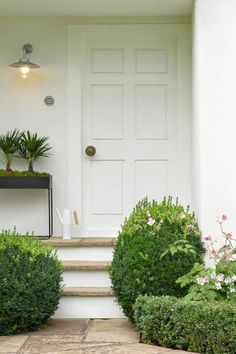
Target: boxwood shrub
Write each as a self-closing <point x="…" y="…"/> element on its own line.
<point x="204" y="327"/>
<point x="157" y="244"/>
<point x="30" y="282"/>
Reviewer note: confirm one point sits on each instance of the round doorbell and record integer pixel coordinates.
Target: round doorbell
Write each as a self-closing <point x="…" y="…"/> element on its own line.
<point x="49" y="100"/>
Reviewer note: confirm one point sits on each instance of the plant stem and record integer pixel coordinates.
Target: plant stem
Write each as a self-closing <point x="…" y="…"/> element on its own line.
<point x="30" y="169"/>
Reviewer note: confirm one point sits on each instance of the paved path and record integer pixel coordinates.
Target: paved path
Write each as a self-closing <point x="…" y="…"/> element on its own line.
<point x="81" y="337"/>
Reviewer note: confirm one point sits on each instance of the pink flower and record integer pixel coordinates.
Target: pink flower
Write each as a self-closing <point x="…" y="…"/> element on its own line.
<point x="213" y="252"/>
<point x="224" y="217"/>
<point x="228" y="235"/>
<point x="220" y="277"/>
<point x="182" y="215"/>
<point x="207" y="238"/>
<point x="202" y="280"/>
<point x="190" y="227"/>
<point x="151" y="221"/>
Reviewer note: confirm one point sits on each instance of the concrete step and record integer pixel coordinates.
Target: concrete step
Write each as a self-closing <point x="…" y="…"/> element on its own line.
<point x="88" y="307"/>
<point x="85" y="265"/>
<point x="88" y="291"/>
<point x="99" y="304"/>
<point x="86" y="278"/>
<point x="82" y="242"/>
<point x="84" y="248"/>
<point x="86" y="274"/>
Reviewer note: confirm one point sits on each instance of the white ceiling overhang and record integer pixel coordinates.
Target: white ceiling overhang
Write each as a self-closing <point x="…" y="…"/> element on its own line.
<point x="95" y="7"/>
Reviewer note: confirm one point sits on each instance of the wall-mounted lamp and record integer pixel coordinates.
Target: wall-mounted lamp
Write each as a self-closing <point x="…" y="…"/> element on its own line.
<point x="24" y="64"/>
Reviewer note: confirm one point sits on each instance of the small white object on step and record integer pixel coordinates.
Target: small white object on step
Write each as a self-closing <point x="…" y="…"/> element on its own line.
<point x="66" y="222"/>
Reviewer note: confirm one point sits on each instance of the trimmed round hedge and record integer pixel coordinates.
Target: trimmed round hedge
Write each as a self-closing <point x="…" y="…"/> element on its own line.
<point x="30" y="283"/>
<point x="157" y="244"/>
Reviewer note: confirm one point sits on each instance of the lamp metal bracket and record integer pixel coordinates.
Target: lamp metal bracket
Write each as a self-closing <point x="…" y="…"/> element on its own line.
<point x="27" y="48"/>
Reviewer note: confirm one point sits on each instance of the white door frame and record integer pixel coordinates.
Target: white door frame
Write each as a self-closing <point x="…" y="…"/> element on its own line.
<point x="76" y="34"/>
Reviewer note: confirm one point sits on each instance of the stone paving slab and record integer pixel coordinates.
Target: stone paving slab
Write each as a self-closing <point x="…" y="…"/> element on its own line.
<point x="63" y="326"/>
<point x="116" y="336"/>
<point x="105" y="348"/>
<point x="51" y="344"/>
<point x="123" y="349"/>
<point x="115" y="331"/>
<point x="11" y="344"/>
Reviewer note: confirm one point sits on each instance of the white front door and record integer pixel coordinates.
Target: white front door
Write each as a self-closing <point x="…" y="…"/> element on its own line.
<point x="129" y="114"/>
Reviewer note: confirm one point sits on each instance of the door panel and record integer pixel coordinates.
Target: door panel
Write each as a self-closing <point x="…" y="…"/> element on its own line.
<point x="129" y="105"/>
<point x="150" y="111"/>
<point x="106" y="102"/>
<point x="106" y="187"/>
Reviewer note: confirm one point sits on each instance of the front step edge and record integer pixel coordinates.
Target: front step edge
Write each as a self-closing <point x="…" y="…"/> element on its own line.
<point x="88" y="292"/>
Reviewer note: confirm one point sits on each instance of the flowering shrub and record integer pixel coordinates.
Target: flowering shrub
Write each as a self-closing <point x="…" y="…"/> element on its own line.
<point x="218" y="283"/>
<point x="157" y="244"/>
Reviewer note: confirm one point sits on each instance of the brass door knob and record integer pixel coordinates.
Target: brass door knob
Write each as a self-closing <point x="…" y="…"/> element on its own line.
<point x="90" y="150"/>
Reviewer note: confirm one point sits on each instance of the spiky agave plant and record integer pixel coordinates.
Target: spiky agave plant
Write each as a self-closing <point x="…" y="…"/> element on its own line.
<point x="9" y="144"/>
<point x="32" y="147"/>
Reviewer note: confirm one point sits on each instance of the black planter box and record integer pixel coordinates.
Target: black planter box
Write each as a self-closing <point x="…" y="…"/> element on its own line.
<point x="26" y="182"/>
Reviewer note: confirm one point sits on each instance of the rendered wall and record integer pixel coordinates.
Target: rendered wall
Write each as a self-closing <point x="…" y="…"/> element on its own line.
<point x="214" y="123"/>
<point x="22" y="107"/>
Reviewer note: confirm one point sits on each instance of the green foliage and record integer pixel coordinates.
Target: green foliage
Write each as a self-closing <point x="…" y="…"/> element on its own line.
<point x="32" y="147"/>
<point x="157" y="244"/>
<point x="30" y="282"/>
<point x="210" y="284"/>
<point x="9" y="144"/>
<point x="204" y="327"/>
<point x="218" y="283"/>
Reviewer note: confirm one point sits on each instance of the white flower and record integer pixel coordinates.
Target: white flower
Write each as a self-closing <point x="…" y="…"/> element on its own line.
<point x="233" y="258"/>
<point x="202" y="280"/>
<point x="232" y="290"/>
<point x="228" y="281"/>
<point x="233" y="278"/>
<point x="218" y="286"/>
<point x="213" y="275"/>
<point x="221" y="254"/>
<point x="151" y="221"/>
<point x="148" y="214"/>
<point x="182" y="215"/>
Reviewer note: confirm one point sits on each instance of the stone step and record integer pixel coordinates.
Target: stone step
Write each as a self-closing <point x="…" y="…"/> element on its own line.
<point x="81" y="242"/>
<point x="86" y="274"/>
<point x="88" y="291"/>
<point x="83" y="248"/>
<point x="86" y="278"/>
<point x="88" y="307"/>
<point x="85" y="265"/>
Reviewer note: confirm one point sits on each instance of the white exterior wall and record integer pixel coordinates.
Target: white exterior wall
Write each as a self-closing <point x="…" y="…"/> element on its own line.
<point x="214" y="123"/>
<point x="22" y="107"/>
